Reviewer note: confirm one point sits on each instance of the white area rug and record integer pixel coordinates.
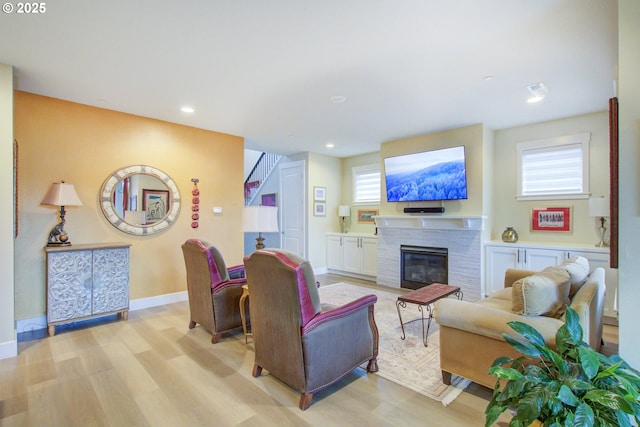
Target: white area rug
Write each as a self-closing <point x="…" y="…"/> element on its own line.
<point x="407" y="362"/>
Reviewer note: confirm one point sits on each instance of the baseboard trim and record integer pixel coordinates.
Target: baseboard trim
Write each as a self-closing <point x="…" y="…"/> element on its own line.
<point x="8" y="349"/>
<point x="40" y="322"/>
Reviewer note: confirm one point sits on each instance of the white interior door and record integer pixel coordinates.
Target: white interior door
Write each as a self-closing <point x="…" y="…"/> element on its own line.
<point x="293" y="218"/>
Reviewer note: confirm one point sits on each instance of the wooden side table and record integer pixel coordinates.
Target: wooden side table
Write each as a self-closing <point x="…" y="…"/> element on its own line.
<point x="243" y="317"/>
<point x="425" y="297"/>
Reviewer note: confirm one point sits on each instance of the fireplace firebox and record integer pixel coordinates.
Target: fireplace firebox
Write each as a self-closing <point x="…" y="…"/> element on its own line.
<point x="422" y="265"/>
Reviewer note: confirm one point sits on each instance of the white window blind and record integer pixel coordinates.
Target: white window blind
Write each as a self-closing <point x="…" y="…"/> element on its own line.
<point x="366" y="184"/>
<point x="554" y="168"/>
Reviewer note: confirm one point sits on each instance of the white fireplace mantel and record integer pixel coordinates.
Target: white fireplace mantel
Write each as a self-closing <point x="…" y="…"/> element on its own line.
<point x="431" y="222"/>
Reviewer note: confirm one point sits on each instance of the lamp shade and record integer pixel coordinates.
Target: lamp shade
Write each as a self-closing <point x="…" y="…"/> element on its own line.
<point x="599" y="206"/>
<point x="344" y="210"/>
<point x="260" y="219"/>
<point x="62" y="194"/>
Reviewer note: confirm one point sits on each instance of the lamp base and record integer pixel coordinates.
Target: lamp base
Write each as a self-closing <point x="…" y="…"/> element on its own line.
<point x="601" y="243"/>
<point x="259" y="241"/>
<point x="58" y="244"/>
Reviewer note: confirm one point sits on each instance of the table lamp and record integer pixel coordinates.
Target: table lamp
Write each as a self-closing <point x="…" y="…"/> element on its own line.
<point x="599" y="207"/>
<point x="260" y="219"/>
<point x="343" y="212"/>
<point x="60" y="194"/>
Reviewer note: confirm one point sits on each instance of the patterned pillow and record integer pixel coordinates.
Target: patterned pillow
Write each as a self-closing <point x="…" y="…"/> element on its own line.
<point x="542" y="294"/>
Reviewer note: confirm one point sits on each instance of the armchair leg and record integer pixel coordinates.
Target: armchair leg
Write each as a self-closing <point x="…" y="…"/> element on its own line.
<point x="446" y="377"/>
<point x="215" y="338"/>
<point x="372" y="366"/>
<point x="305" y="400"/>
<point x="192" y="324"/>
<point x="257" y="370"/>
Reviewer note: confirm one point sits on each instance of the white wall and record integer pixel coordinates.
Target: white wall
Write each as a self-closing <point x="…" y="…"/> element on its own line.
<point x="629" y="248"/>
<point x="8" y="343"/>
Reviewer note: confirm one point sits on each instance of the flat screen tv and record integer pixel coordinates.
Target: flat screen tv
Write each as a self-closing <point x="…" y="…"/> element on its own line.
<point x="430" y="175"/>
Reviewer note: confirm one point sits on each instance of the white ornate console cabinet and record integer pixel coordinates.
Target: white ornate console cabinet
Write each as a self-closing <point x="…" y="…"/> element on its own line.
<point x="85" y="281"/>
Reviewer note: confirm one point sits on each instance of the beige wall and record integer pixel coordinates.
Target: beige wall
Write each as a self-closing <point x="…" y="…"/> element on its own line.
<point x="82" y="145"/>
<point x="507" y="211"/>
<point x="346" y="198"/>
<point x="629" y="97"/>
<point x="8" y="346"/>
<point x="472" y="139"/>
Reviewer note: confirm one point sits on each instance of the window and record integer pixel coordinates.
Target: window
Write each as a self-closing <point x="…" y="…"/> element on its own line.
<point x="366" y="184"/>
<point x="556" y="168"/>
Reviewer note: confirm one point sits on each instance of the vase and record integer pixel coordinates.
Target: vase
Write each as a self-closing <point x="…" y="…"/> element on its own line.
<point x="510" y="235"/>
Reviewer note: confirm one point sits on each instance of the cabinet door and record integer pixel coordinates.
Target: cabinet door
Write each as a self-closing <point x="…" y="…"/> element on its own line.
<point x="335" y="252"/>
<point x="69" y="285"/>
<point x="600" y="259"/>
<point x="352" y="254"/>
<point x="369" y="249"/>
<point x="539" y="259"/>
<point x="110" y="280"/>
<point x="499" y="259"/>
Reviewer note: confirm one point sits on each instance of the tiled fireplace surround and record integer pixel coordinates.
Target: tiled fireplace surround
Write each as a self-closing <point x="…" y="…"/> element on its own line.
<point x="461" y="235"/>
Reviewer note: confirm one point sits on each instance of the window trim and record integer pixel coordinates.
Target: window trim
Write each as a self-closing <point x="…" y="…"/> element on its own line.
<point x="356" y="170"/>
<point x="583" y="139"/>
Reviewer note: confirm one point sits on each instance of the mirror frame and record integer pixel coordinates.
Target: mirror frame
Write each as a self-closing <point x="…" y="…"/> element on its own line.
<point x="138" y="230"/>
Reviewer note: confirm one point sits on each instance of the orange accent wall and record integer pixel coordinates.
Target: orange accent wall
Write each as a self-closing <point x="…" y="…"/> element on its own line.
<point x="82" y="145"/>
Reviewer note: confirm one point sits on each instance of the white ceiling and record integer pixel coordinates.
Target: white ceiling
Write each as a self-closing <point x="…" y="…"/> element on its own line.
<point x="267" y="69"/>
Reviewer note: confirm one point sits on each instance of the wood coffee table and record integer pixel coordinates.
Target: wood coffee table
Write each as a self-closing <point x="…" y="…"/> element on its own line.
<point x="425" y="297"/>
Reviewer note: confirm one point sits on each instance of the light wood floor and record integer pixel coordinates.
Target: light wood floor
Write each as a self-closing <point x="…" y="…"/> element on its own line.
<point x="153" y="371"/>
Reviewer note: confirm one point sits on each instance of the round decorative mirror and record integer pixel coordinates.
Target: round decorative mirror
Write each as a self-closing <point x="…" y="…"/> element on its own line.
<point x="140" y="200"/>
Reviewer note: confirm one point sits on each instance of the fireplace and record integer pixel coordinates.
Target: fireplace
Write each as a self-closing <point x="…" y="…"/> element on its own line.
<point x="423" y="265"/>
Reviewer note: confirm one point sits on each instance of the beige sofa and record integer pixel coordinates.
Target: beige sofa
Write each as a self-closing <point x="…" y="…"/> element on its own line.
<point x="471" y="333"/>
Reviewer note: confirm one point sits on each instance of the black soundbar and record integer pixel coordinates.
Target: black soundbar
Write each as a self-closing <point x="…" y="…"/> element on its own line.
<point x="424" y="210"/>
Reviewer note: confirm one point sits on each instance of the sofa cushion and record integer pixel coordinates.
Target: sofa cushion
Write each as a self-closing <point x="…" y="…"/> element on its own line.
<point x="542" y="294"/>
<point x="578" y="269"/>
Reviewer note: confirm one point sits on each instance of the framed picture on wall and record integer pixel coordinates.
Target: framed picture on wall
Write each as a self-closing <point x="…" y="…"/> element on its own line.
<point x="155" y="204"/>
<point x="319" y="209"/>
<point x="366" y="216"/>
<point x="551" y="219"/>
<point x="269" y="199"/>
<point x="320" y="194"/>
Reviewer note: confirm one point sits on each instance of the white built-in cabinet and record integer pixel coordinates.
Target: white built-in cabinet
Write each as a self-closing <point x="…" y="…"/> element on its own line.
<point x="501" y="256"/>
<point x="85" y="281"/>
<point x="352" y="253"/>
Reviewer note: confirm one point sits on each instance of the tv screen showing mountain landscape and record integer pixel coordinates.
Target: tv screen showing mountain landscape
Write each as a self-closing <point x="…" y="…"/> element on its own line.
<point x="431" y="175"/>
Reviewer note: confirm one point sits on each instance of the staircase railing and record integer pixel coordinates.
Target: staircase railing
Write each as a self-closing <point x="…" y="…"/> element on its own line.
<point x="262" y="169"/>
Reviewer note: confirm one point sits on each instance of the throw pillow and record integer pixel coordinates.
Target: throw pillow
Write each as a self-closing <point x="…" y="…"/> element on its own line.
<point x="542" y="294"/>
<point x="578" y="269"/>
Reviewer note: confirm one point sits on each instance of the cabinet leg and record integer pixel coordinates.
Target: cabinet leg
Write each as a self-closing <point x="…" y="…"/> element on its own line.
<point x="125" y="315"/>
<point x="52" y="330"/>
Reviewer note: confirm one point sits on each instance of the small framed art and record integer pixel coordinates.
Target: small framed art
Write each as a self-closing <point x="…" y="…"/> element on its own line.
<point x="551" y="219"/>
<point x="155" y="203"/>
<point x="319" y="209"/>
<point x="366" y="216"/>
<point x="320" y="194"/>
<point x="269" y="199"/>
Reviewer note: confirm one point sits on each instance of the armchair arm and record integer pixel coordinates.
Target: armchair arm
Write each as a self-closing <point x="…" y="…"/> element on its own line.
<point x="339" y="312"/>
<point x="229" y="283"/>
<point x="236" y="271"/>
<point x="490" y="322"/>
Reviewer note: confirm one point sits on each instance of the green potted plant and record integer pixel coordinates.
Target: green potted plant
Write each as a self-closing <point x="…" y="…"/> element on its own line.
<point x="573" y="385"/>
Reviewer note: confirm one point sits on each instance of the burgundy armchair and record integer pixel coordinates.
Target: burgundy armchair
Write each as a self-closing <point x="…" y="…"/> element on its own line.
<point x="306" y="348"/>
<point x="214" y="290"/>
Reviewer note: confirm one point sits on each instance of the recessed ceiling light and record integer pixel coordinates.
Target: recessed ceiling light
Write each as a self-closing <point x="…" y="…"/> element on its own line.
<point x="330" y="145"/>
<point x="538" y="92"/>
<point x="187" y="109"/>
<point x="487" y="78"/>
<point x="338" y="99"/>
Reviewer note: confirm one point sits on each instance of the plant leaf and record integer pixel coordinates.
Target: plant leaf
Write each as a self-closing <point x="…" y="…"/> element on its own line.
<point x="572" y="322"/>
<point x="493" y="413"/>
<point x="567" y="397"/>
<point x="505" y="373"/>
<point x="609" y="399"/>
<point x="584" y="416"/>
<point x="589" y="361"/>
<point x="522" y="346"/>
<point x="501" y="361"/>
<point x="528" y="332"/>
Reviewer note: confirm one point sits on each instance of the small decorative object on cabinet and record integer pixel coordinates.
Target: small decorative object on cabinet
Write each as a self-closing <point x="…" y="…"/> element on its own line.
<point x="86" y="281"/>
<point x="510" y="235"/>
